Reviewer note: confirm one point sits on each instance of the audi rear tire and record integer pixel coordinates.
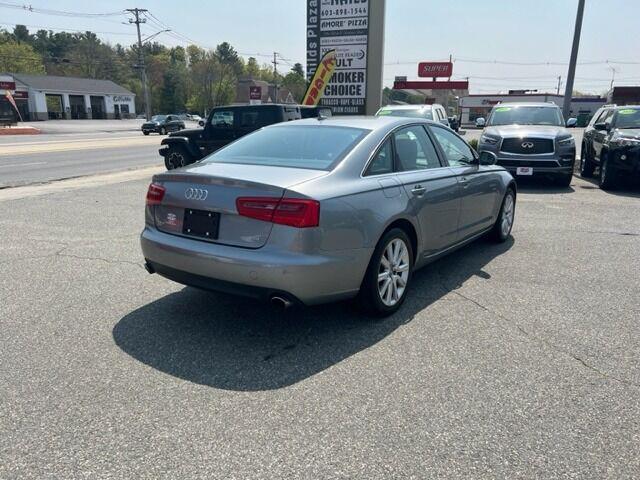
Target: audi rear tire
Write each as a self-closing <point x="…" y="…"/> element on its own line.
<point x="388" y="275"/>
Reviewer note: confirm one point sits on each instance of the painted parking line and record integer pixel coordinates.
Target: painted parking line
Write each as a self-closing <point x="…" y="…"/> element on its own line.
<point x="48" y="147"/>
<point x="22" y="164"/>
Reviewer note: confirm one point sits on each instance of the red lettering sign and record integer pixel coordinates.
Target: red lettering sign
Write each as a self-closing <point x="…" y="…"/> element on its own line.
<point x="435" y="69"/>
<point x="255" y="92"/>
<point x="7" y="85"/>
<point x="422" y="85"/>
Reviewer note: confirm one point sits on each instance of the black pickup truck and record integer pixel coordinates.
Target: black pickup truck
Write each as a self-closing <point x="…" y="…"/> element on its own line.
<point x="222" y="126"/>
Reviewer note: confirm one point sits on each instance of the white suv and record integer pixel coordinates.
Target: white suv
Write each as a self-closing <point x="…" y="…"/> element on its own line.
<point x="435" y="112"/>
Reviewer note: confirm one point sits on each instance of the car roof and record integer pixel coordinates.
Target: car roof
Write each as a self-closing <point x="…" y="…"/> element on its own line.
<point x="621" y="107"/>
<point x="368" y="123"/>
<point x="527" y="104"/>
<point x="409" y="107"/>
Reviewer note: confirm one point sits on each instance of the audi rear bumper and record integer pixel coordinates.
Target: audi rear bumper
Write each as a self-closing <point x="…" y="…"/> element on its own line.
<point x="263" y="272"/>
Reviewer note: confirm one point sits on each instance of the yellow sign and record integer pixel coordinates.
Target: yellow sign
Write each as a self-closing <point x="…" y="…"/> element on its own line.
<point x="320" y="79"/>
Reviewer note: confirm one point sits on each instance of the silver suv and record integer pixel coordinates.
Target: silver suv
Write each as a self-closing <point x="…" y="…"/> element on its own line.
<point x="530" y="139"/>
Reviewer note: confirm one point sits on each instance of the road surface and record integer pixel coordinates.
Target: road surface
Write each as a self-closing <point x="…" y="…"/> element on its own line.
<point x="43" y="158"/>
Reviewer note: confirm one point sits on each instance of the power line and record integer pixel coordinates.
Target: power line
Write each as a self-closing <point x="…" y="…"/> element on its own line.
<point x="62" y="13"/>
<point x="524" y="64"/>
<point x="66" y="29"/>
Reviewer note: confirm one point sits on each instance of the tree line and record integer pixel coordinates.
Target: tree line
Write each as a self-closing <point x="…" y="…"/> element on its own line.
<point x="191" y="79"/>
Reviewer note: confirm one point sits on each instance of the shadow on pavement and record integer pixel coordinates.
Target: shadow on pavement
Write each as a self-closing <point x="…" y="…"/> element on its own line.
<point x="541" y="185"/>
<point x="237" y="344"/>
<point x="629" y="187"/>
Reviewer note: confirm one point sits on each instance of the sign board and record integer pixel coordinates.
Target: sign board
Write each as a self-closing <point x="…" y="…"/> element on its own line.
<point x="122" y="98"/>
<point x="435" y="69"/>
<point x="342" y="26"/>
<point x="20" y="95"/>
<point x="255" y="94"/>
<point x="7" y="85"/>
<point x="400" y="78"/>
<point x="423" y="85"/>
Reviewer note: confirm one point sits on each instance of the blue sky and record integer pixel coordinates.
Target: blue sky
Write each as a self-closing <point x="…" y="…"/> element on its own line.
<point x="476" y="33"/>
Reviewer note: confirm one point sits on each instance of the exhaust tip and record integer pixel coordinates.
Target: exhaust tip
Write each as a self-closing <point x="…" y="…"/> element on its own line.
<point x="280" y="302"/>
<point x="149" y="268"/>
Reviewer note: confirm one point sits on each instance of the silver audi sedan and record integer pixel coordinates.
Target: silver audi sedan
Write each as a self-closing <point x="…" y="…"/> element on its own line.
<point x="319" y="210"/>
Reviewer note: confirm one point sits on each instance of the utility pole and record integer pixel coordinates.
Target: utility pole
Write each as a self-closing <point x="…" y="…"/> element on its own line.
<point x="568" y="91"/>
<point x="141" y="65"/>
<point x="559" y="82"/>
<point x="275" y="76"/>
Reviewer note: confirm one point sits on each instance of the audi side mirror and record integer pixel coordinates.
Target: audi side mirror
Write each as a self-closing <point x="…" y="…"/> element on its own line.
<point x="487" y="158"/>
<point x="572" y="122"/>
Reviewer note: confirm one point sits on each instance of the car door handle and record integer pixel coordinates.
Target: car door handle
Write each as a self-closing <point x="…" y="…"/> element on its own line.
<point x="418" y="190"/>
<point x="464" y="181"/>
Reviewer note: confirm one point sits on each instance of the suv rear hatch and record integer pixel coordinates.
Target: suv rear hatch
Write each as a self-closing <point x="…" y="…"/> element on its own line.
<point x="200" y="201"/>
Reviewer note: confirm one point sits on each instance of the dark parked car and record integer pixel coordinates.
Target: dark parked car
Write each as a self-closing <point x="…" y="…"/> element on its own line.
<point x="222" y="126"/>
<point x="314" y="112"/>
<point x="162" y="124"/>
<point x="611" y="142"/>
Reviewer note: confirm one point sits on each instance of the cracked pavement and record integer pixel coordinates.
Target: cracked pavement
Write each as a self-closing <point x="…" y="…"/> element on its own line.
<point x="519" y="360"/>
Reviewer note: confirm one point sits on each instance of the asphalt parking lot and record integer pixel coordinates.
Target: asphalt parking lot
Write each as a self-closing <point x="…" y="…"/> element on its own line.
<point x="517" y="360"/>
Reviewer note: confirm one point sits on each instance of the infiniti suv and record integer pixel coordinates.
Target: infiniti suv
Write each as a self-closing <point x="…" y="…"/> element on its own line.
<point x="530" y="139"/>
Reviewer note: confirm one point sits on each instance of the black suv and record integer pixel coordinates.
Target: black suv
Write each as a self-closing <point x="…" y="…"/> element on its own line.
<point x="611" y="142"/>
<point x="222" y="126"/>
<point x="162" y="124"/>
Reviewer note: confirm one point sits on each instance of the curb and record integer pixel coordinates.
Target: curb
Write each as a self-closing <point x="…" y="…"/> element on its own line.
<point x="19" y="131"/>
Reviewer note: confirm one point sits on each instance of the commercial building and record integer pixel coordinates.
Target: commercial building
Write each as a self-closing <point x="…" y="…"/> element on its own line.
<point x="250" y="90"/>
<point x="479" y="105"/>
<point x="624" y="96"/>
<point x="48" y="97"/>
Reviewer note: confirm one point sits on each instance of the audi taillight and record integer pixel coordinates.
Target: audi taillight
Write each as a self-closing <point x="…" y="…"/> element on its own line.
<point x="155" y="194"/>
<point x="295" y="212"/>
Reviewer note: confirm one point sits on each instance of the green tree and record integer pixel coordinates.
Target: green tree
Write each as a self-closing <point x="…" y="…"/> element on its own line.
<point x="295" y="82"/>
<point x="252" y="69"/>
<point x="19" y="58"/>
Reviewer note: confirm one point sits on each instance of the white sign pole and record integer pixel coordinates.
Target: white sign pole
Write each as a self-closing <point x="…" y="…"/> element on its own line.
<point x="375" y="50"/>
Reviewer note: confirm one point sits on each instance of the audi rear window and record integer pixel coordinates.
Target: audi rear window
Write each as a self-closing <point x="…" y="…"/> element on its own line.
<point x="296" y="146"/>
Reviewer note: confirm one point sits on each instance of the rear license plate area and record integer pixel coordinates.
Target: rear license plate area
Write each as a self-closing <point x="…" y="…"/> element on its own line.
<point x="201" y="223"/>
<point x="524" y="171"/>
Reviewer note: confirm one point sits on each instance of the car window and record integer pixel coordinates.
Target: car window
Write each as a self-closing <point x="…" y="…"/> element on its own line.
<point x="525" y="115"/>
<point x="597" y="118"/>
<point x="406" y="112"/>
<point x="455" y="149"/>
<point x="608" y="117"/>
<point x="628" y="118"/>
<point x="256" y="118"/>
<point x="222" y="119"/>
<point x="439" y="112"/>
<point x="294" y="146"/>
<point x="414" y="149"/>
<point x="383" y="161"/>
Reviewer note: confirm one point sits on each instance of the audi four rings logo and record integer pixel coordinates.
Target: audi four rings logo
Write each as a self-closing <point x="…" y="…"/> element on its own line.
<point x="196" y="194"/>
<point x="527" y="144"/>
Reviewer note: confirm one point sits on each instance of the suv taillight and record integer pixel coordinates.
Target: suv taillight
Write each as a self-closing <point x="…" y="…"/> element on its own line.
<point x="295" y="212"/>
<point x="155" y="194"/>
